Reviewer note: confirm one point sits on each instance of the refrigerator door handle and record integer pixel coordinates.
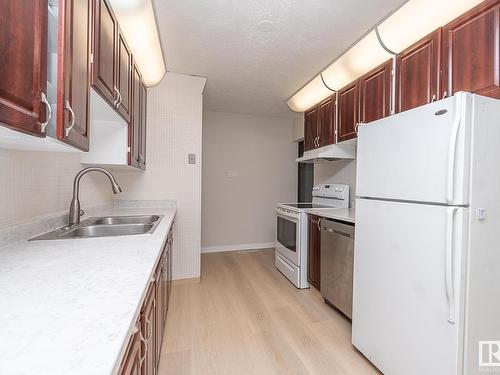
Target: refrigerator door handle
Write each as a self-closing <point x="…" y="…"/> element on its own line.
<point x="452" y="149"/>
<point x="450" y="290"/>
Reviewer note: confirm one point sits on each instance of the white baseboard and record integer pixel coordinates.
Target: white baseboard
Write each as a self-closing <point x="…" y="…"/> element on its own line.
<point x="248" y="246"/>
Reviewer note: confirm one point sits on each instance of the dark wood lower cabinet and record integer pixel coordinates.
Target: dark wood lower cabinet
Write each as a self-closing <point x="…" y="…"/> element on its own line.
<point x="142" y="355"/>
<point x="314" y="252"/>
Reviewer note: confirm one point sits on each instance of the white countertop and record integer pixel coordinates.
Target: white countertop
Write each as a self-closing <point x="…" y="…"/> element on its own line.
<point x="344" y="214"/>
<point x="68" y="306"/>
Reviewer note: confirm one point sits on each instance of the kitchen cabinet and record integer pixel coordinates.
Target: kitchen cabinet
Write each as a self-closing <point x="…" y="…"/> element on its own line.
<point x="471" y="54"/>
<point x="375" y="93"/>
<point x="314" y="251"/>
<point x="148" y="331"/>
<point x="142" y="128"/>
<point x="143" y="350"/>
<point x="319" y="124"/>
<point x="364" y="100"/>
<point x="348" y="111"/>
<point x="310" y="128"/>
<point x="135" y="121"/>
<point x="23" y="61"/>
<point x="104" y="51"/>
<point x="124" y="77"/>
<point x="131" y="364"/>
<point x="74" y="73"/>
<point x="418" y="70"/>
<point x="327" y="122"/>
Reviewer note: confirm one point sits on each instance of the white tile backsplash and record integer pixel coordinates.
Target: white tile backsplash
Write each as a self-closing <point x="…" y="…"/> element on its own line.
<point x="40" y="184"/>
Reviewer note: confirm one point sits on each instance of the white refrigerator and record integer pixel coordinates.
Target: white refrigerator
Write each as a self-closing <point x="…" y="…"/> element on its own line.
<point x="426" y="298"/>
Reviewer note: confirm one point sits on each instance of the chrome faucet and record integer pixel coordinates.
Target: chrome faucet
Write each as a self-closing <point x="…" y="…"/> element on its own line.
<point x="74" y="208"/>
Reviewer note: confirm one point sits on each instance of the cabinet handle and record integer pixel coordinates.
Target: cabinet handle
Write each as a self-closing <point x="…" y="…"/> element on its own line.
<point x="150" y="329"/>
<point x="119" y="99"/>
<point x="433" y="98"/>
<point x="445" y="94"/>
<point x="72" y="121"/>
<point x="319" y="224"/>
<point x="116" y="94"/>
<point x="357" y="126"/>
<point x="48" y="112"/>
<point x="145" y="343"/>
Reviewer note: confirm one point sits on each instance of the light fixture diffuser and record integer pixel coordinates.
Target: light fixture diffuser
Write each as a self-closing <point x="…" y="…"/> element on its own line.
<point x="138" y="24"/>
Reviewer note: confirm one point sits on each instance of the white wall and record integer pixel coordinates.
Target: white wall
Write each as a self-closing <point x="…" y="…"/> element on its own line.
<point x="174" y="129"/>
<point x="339" y="172"/>
<point x="298" y="128"/>
<point x="248" y="167"/>
<point x="39" y="184"/>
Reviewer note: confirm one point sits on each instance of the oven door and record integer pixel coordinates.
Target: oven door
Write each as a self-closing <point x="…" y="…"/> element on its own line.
<point x="288" y="235"/>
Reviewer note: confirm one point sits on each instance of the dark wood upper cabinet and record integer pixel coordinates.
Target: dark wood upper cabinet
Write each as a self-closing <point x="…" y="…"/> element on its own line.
<point x="471" y="45"/>
<point x="326" y="123"/>
<point x="310" y="128"/>
<point x="135" y="121"/>
<point x="104" y="51"/>
<point x="124" y="77"/>
<point x="74" y="73"/>
<point x="348" y="111"/>
<point x="23" y="65"/>
<point x="314" y="252"/>
<point x="418" y="70"/>
<point x="142" y="130"/>
<point x="375" y="93"/>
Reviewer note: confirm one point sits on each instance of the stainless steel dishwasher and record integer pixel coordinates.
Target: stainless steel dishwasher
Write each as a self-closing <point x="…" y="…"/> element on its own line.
<point x="337" y="257"/>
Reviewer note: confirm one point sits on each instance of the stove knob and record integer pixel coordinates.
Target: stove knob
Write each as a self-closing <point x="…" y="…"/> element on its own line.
<point x="341" y="189"/>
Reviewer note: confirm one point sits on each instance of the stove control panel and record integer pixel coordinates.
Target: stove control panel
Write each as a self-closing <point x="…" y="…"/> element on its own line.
<point x="336" y="191"/>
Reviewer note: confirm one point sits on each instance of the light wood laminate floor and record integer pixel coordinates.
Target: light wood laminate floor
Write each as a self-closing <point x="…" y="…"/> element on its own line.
<point x="244" y="317"/>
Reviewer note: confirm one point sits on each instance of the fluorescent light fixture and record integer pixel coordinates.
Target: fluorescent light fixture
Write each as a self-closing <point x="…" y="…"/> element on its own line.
<point x="309" y="95"/>
<point x="411" y="22"/>
<point x="138" y="24"/>
<point x="418" y="18"/>
<point x="360" y="59"/>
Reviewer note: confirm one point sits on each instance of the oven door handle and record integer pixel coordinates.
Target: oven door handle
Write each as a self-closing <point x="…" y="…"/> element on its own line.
<point x="284" y="215"/>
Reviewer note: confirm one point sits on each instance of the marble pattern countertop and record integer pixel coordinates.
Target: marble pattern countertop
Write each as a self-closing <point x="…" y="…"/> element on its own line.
<point x="343" y="214"/>
<point x="69" y="306"/>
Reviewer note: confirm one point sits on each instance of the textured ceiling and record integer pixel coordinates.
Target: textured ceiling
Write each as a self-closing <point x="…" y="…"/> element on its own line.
<point x="257" y="53"/>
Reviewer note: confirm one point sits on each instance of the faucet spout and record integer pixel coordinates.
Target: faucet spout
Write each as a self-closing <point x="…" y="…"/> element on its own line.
<point x="74" y="208"/>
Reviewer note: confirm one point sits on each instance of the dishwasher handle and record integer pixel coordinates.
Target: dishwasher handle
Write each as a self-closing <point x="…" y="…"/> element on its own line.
<point x="341" y="229"/>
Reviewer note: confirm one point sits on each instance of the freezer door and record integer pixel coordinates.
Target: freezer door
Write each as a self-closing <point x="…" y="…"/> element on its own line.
<point x="417" y="155"/>
<point x="407" y="292"/>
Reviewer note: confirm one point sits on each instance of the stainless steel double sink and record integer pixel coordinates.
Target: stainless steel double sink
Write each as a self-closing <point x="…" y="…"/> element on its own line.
<point x="105" y="226"/>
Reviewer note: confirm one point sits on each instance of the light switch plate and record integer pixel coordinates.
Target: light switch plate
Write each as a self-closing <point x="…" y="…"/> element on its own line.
<point x="191" y="158"/>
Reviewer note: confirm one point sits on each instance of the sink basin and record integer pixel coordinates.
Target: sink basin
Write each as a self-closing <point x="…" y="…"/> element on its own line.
<point x="113" y="220"/>
<point x="105" y="226"/>
<point x="107" y="230"/>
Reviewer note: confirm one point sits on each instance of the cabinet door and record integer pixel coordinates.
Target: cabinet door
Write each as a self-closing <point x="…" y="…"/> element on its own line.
<point x="23" y="64"/>
<point x="159" y="306"/>
<point x="375" y="93"/>
<point x="124" y="77"/>
<point x="348" y="111"/>
<point x="134" y="125"/>
<point x="148" y="328"/>
<point x="417" y="73"/>
<point x="310" y="128"/>
<point x="314" y="252"/>
<point x="142" y="129"/>
<point x="471" y="52"/>
<point x="131" y="364"/>
<point x="104" y="51"/>
<point x="74" y="73"/>
<point x="326" y="125"/>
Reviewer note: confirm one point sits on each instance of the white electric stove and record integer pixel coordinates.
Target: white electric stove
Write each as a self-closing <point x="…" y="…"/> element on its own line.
<point x="290" y="256"/>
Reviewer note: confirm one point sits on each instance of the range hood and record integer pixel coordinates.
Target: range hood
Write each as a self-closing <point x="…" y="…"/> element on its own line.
<point x="338" y="151"/>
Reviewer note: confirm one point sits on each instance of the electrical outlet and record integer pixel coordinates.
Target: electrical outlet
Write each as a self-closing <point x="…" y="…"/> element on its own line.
<point x="191" y="158"/>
